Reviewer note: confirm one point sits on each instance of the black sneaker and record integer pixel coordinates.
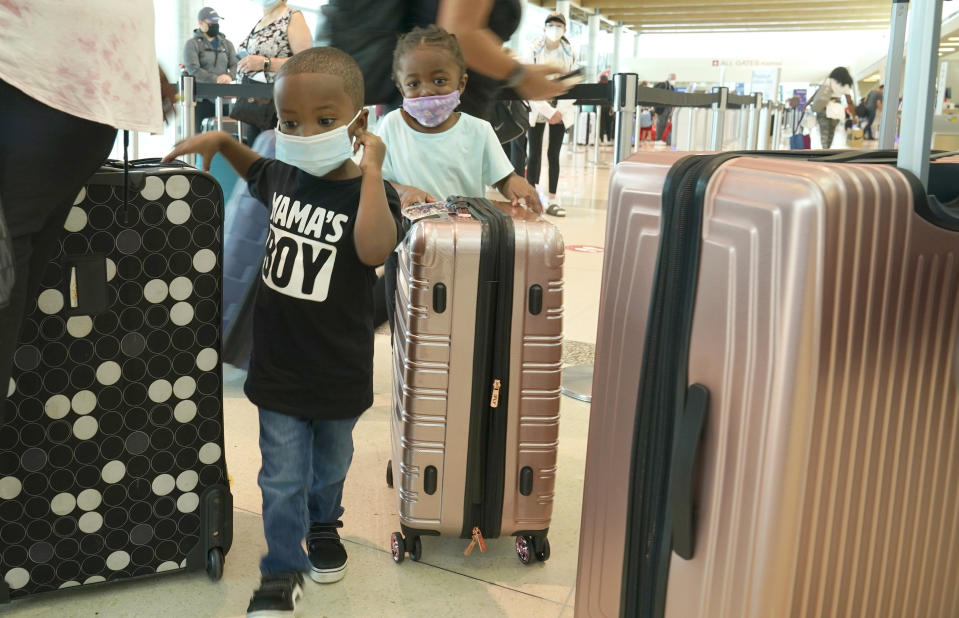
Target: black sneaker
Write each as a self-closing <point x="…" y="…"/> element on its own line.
<point x="326" y="551"/>
<point x="276" y="597"/>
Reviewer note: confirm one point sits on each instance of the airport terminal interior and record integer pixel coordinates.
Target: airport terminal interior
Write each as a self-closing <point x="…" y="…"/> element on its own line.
<point x="783" y="49"/>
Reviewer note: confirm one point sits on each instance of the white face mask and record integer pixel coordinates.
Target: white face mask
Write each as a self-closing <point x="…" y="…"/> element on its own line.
<point x="317" y="154"/>
<point x="269" y="4"/>
<point x="554" y="33"/>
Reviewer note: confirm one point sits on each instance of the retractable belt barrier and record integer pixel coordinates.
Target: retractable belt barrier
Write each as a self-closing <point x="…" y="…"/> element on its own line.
<point x="712" y="116"/>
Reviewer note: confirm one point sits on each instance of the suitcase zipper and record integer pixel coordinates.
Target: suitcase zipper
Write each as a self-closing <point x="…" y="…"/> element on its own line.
<point x="494" y="400"/>
<point x="486" y="458"/>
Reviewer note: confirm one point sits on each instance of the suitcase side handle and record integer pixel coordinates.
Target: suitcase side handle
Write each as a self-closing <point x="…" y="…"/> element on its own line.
<point x="682" y="481"/>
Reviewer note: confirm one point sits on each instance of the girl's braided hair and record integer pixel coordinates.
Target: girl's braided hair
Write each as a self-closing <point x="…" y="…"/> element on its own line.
<point x="433" y="36"/>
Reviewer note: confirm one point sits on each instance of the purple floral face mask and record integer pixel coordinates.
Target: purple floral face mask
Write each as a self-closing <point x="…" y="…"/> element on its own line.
<point x="432" y="111"/>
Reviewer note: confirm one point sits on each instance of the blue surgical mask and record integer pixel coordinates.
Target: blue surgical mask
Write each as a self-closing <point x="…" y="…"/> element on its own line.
<point x="317" y="154"/>
<point x="267" y="4"/>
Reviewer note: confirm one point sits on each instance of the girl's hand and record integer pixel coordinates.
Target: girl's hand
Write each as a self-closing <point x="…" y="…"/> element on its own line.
<point x="374" y="152"/>
<point x="412" y="195"/>
<point x="517" y="190"/>
<point x="252" y="63"/>
<point x="206" y="145"/>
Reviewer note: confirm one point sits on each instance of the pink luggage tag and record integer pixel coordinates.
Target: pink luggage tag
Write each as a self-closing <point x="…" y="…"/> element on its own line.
<point x="415" y="212"/>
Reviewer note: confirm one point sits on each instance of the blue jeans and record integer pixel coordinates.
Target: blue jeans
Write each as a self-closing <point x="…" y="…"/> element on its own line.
<point x="304" y="466"/>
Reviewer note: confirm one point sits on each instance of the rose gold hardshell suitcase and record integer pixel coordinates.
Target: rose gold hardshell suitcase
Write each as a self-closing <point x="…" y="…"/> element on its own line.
<point x="477" y="353"/>
<point x="814" y="468"/>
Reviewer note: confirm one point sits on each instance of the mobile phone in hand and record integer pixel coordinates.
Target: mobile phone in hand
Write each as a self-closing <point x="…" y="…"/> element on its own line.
<point x="573" y="77"/>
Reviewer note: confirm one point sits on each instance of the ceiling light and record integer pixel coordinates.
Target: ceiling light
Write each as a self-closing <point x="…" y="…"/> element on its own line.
<point x="947" y="49"/>
<point x="954" y="38"/>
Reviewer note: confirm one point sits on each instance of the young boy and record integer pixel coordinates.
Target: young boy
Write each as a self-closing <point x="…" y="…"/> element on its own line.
<point x="311" y="369"/>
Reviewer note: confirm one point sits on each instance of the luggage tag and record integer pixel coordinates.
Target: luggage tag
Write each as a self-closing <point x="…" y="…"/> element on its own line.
<point x="477" y="540"/>
<point x="415" y="212"/>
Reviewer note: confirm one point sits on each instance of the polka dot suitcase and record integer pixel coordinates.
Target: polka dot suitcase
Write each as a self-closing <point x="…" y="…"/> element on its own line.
<point x="111" y="449"/>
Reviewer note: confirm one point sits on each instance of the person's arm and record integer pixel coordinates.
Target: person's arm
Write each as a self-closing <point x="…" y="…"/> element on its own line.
<point x="231" y="63"/>
<point x="191" y="60"/>
<point x="483" y="51"/>
<point x="516" y="189"/>
<point x="375" y="234"/>
<point x="850" y="106"/>
<point x="542" y="108"/>
<point x="300" y="38"/>
<point x="208" y="144"/>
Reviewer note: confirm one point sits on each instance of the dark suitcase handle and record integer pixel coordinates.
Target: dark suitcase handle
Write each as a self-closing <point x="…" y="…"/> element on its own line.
<point x="689" y="432"/>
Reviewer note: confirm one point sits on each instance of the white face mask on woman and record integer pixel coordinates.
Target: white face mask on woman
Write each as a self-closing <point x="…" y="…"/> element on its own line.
<point x="317" y="154"/>
<point x="554" y="33"/>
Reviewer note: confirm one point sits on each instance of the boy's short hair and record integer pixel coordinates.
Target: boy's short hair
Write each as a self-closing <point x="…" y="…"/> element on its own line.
<point x="433" y="36"/>
<point x="328" y="61"/>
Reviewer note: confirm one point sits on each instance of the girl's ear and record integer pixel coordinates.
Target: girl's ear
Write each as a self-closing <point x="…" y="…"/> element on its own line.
<point x="463" y="80"/>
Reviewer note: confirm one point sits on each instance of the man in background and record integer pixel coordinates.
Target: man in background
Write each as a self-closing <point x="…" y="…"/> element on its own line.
<point x="210" y="58"/>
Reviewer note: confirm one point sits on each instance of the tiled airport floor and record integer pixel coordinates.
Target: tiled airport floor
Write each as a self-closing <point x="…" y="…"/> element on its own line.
<point x="445" y="583"/>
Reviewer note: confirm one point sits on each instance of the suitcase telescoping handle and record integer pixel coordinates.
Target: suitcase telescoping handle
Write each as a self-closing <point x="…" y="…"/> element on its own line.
<point x="682" y="480"/>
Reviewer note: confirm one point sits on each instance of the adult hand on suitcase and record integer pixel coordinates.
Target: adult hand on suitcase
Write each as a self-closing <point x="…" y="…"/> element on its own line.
<point x="517" y="190"/>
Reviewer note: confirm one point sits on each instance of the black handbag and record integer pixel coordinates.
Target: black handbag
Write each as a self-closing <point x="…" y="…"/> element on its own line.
<point x="7" y="266"/>
<point x="510" y="120"/>
<point x="261" y="113"/>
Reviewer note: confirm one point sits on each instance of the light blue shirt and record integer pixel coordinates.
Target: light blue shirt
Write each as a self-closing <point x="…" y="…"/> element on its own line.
<point x="463" y="160"/>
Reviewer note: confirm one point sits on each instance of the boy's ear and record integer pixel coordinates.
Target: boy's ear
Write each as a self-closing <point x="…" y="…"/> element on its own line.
<point x="362" y="122"/>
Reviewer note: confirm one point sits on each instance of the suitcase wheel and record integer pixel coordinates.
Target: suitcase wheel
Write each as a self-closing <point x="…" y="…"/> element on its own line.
<point x="214" y="563"/>
<point x="541" y="547"/>
<point x="389" y="473"/>
<point x="524" y="548"/>
<point x="397" y="547"/>
<point x="416" y="548"/>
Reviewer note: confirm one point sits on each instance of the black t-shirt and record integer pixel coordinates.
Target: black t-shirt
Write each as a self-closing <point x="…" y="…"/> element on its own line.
<point x="313" y="318"/>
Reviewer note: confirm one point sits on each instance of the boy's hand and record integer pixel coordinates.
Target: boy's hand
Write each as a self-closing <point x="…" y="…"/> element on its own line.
<point x="412" y="195"/>
<point x="374" y="152"/>
<point x="206" y="145"/>
<point x="516" y="189"/>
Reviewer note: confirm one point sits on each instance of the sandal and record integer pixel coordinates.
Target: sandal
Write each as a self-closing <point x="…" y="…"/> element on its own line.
<point x="556" y="210"/>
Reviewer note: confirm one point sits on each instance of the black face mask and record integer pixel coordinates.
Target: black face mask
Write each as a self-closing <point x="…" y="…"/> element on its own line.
<point x="213" y="30"/>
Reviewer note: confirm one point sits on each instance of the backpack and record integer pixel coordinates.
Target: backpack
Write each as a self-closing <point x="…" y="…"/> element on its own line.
<point x="368" y="31"/>
<point x="510" y="120"/>
<point x="861" y="110"/>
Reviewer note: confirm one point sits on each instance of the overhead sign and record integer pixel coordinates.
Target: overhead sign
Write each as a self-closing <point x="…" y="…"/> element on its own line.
<point x="746" y="62"/>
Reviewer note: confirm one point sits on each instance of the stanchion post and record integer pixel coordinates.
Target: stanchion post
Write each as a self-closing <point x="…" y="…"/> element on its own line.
<point x="778" y="127"/>
<point x="575" y="146"/>
<point x="625" y="87"/>
<point x="595" y="162"/>
<point x="719" y="121"/>
<point x="690" y="127"/>
<point x="219" y="113"/>
<point x="639" y="127"/>
<point x="187" y="111"/>
<point x="755" y="110"/>
<point x="762" y="137"/>
<point x="744" y="127"/>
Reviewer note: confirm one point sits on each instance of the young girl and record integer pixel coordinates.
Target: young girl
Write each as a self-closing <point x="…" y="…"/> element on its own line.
<point x="433" y="152"/>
